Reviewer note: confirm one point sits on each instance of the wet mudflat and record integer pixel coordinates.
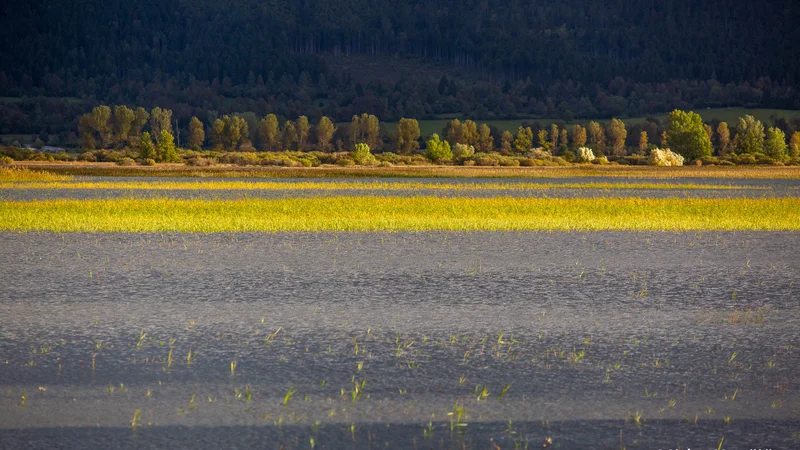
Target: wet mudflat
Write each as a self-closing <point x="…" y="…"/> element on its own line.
<point x="400" y="340"/>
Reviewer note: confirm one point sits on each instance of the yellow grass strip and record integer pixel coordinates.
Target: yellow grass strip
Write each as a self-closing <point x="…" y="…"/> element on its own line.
<point x="355" y="185"/>
<point x="578" y="170"/>
<point x="399" y="214"/>
<point x="13" y="175"/>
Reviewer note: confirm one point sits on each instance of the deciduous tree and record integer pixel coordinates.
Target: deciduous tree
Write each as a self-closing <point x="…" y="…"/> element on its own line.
<point x="325" y="132"/>
<point x="407" y="136"/>
<point x="146" y="148"/>
<point x="123" y="122"/>
<point x="269" y="134"/>
<point x="437" y="150"/>
<point x="616" y="136"/>
<point x="485" y="139"/>
<point x="775" y="145"/>
<point x="686" y="135"/>
<point x="597" y="138"/>
<point x="524" y="140"/>
<point x="578" y="136"/>
<point x="197" y="134"/>
<point x="794" y="145"/>
<point x="723" y="138"/>
<point x="506" y="142"/>
<point x="101" y="116"/>
<point x="160" y="120"/>
<point x="642" y="142"/>
<point x="749" y="135"/>
<point x="303" y="130"/>
<point x="166" y="148"/>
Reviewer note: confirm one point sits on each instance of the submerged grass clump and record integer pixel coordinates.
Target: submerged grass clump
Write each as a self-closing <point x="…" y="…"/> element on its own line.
<point x="399" y="214"/>
<point x="11" y="175"/>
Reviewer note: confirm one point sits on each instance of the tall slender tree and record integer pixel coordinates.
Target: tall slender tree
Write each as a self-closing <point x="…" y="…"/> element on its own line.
<point x="303" y="130"/>
<point x="794" y="145"/>
<point x="616" y="136"/>
<point x="642" y="142"/>
<point x="485" y="139"/>
<point x="269" y="134"/>
<point x="101" y="116"/>
<point x="123" y="122"/>
<point x="325" y="131"/>
<point x="723" y="138"/>
<point x="407" y="136"/>
<point x="597" y="138"/>
<point x="197" y="134"/>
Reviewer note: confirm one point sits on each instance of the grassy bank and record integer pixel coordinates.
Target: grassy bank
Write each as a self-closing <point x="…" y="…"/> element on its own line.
<point x="398" y="214"/>
<point x="582" y="170"/>
<point x="355" y="185"/>
<point x="12" y="175"/>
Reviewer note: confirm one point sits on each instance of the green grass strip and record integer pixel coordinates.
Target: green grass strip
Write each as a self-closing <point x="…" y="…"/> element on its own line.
<point x="399" y="214"/>
<point x="356" y="185"/>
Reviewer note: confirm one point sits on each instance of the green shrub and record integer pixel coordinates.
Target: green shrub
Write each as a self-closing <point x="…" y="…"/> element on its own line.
<point x="746" y="158"/>
<point x="437" y="150"/>
<point x="362" y="156"/>
<point x="125" y="161"/>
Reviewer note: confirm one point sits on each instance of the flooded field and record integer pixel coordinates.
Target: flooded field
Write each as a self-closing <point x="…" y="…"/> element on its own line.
<point x="459" y="339"/>
<point x="400" y="340"/>
<point x="221" y="188"/>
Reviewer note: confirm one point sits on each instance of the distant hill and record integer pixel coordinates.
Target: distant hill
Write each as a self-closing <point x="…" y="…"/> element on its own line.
<point x="488" y="59"/>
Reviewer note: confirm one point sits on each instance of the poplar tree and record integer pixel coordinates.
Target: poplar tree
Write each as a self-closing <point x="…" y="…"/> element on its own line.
<point x="325" y="131"/>
<point x="597" y="138"/>
<point x="794" y="145"/>
<point x="616" y="136"/>
<point x="723" y="138"/>
<point x="642" y="141"/>
<point x="269" y="133"/>
<point x="123" y="122"/>
<point x="407" y="136"/>
<point x="303" y="130"/>
<point x="485" y="139"/>
<point x="197" y="134"/>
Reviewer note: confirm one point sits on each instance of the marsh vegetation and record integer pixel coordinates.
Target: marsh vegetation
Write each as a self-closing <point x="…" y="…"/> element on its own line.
<point x="653" y="337"/>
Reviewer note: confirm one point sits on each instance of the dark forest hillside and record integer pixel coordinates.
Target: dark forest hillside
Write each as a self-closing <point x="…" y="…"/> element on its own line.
<point x="482" y="59"/>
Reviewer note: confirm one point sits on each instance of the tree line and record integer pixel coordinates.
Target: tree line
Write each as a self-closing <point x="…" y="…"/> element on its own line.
<point x="151" y="132"/>
<point x="502" y="59"/>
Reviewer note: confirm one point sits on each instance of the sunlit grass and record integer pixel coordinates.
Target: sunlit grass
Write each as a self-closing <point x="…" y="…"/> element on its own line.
<point x="581" y="170"/>
<point x="9" y="176"/>
<point x="355" y="185"/>
<point x="399" y="214"/>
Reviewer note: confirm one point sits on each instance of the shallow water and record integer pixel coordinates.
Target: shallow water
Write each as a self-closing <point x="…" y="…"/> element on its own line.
<point x="688" y="329"/>
<point x="755" y="188"/>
